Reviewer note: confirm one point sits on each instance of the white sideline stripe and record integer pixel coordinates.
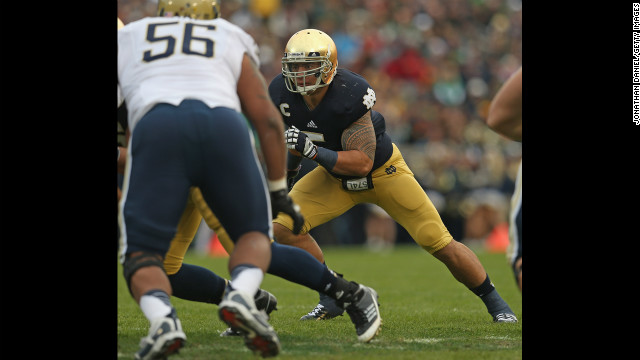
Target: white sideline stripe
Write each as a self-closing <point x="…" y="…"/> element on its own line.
<point x="423" y="341"/>
<point x="506" y="337"/>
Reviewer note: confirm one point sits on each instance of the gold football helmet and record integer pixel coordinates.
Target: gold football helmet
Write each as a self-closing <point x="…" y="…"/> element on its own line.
<point x="309" y="46"/>
<point x="195" y="9"/>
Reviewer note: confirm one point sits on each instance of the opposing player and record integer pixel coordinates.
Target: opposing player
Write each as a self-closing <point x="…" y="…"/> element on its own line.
<point x="505" y="117"/>
<point x="185" y="76"/>
<point x="189" y="282"/>
<point x="184" y="106"/>
<point x="328" y="111"/>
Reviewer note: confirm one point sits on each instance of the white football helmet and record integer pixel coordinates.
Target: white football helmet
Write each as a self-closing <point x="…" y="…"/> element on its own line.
<point x="309" y="46"/>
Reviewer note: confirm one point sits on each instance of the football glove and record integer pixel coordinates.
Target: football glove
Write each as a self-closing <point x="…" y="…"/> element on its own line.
<point x="299" y="141"/>
<point x="281" y="202"/>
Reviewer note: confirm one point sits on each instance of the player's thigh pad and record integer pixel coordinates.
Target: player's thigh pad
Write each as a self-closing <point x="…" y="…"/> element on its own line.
<point x="402" y="197"/>
<point x="321" y="198"/>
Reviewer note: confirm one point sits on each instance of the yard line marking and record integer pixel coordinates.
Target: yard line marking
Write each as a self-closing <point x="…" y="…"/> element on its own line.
<point x="423" y="341"/>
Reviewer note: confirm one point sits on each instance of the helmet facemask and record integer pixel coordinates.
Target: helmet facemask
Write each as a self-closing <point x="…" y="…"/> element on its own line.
<point x="296" y="79"/>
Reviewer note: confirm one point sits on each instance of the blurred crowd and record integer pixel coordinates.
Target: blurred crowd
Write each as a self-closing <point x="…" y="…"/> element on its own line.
<point x="435" y="65"/>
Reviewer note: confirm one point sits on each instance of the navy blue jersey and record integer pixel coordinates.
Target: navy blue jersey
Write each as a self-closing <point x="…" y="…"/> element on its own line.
<point x="349" y="97"/>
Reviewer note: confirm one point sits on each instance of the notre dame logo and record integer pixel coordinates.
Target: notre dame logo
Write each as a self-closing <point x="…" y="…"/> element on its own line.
<point x="369" y="99"/>
<point x="390" y="170"/>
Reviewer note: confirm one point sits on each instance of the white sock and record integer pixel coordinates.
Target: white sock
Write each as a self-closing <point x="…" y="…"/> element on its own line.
<point x="248" y="280"/>
<point x="153" y="308"/>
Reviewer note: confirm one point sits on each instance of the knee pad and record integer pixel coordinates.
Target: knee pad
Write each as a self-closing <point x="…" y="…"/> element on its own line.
<point x="433" y="238"/>
<point x="140" y="260"/>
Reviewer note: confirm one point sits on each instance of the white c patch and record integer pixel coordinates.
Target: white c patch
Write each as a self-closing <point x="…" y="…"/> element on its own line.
<point x="283" y="110"/>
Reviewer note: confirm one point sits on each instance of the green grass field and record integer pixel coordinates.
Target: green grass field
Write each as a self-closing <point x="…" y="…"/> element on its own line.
<point x="426" y="313"/>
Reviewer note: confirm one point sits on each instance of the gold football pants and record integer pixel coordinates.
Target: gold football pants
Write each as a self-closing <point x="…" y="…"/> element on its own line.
<point x="193" y="214"/>
<point x="321" y="198"/>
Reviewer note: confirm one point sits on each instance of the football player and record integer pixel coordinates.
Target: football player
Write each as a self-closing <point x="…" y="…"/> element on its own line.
<point x="330" y="118"/>
<point x="505" y="117"/>
<point x="185" y="76"/>
<point x="189" y="282"/>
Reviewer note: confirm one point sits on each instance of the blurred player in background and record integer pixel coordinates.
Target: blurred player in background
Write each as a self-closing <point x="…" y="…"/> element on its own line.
<point x="183" y="123"/>
<point x="505" y="117"/>
<point x="328" y="111"/>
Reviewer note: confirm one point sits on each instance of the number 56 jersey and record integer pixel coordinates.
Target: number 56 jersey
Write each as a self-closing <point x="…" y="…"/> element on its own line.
<point x="152" y="51"/>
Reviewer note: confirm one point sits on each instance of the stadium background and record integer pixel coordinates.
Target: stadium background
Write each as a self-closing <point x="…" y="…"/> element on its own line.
<point x="435" y="66"/>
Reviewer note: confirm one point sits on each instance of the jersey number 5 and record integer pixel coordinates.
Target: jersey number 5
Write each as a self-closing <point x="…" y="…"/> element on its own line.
<point x="188" y="40"/>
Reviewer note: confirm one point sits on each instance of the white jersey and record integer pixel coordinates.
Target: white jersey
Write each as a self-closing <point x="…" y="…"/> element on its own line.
<point x="169" y="59"/>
